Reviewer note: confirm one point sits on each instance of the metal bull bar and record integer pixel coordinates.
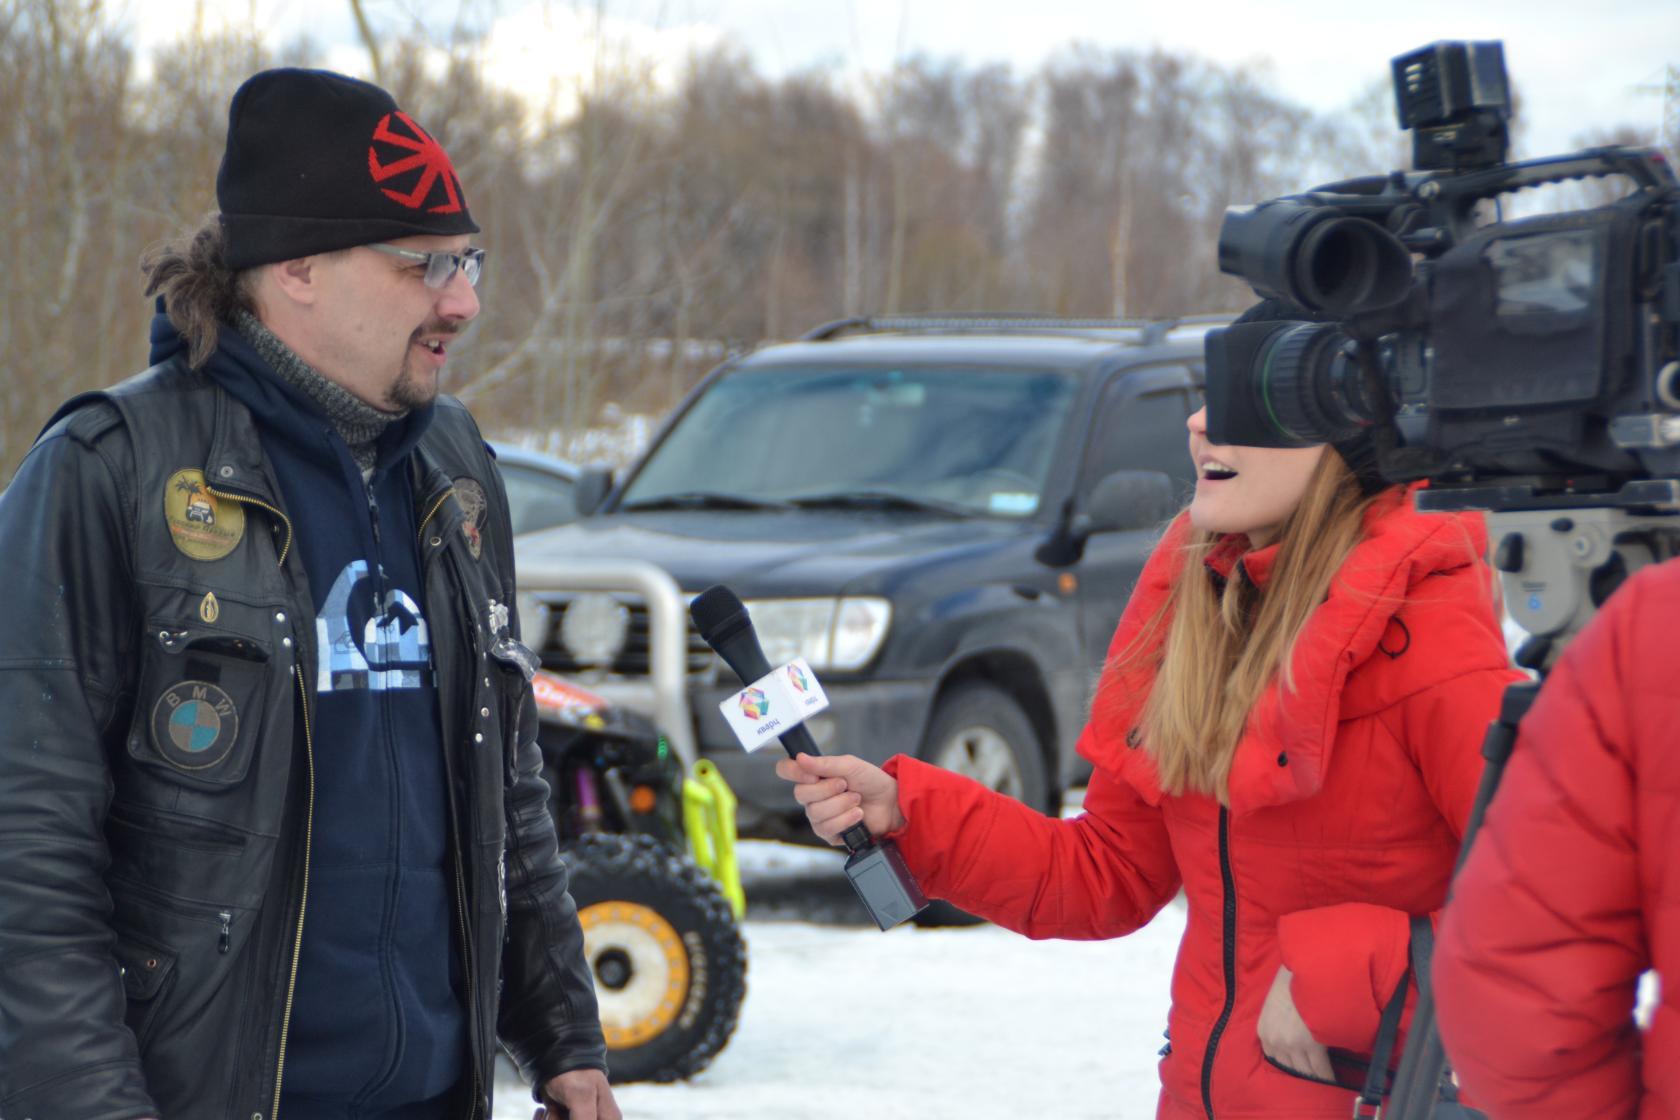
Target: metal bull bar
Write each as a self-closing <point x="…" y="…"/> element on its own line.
<point x="667" y="637"/>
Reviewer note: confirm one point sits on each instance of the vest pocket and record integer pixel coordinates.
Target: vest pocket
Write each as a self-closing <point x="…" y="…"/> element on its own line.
<point x="200" y="705"/>
<point x="146" y="972"/>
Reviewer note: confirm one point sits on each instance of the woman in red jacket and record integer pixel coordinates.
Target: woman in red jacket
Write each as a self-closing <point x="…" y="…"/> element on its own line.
<point x="1572" y="888"/>
<point x="1288" y="730"/>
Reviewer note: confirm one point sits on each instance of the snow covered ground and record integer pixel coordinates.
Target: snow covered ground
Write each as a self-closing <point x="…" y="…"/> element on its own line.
<point x="842" y="1020"/>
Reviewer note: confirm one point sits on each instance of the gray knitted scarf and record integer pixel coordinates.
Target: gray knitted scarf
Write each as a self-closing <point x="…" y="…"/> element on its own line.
<point x="358" y="422"/>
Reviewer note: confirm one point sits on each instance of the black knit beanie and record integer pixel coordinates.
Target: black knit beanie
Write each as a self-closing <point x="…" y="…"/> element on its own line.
<point x="316" y="161"/>
<point x="1358" y="451"/>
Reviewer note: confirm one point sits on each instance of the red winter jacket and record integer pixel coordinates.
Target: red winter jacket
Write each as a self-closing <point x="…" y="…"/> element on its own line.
<point x="1573" y="887"/>
<point x="1347" y="801"/>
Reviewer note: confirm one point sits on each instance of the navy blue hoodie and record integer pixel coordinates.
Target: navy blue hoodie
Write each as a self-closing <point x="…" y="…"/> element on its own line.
<point x="377" y="1020"/>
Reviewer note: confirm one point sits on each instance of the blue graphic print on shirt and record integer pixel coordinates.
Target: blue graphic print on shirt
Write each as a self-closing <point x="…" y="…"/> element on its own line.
<point x="393" y="651"/>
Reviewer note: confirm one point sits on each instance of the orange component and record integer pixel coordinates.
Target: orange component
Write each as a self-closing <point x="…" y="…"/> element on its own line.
<point x="643" y="799"/>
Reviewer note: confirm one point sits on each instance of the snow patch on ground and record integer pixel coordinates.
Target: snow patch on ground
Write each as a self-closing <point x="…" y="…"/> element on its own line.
<point x="929" y="1024"/>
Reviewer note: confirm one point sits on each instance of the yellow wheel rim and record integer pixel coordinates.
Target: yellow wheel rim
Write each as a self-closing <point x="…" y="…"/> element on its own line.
<point x="641" y="970"/>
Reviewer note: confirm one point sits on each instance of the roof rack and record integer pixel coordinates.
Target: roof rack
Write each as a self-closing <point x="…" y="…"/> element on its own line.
<point x="1147" y="331"/>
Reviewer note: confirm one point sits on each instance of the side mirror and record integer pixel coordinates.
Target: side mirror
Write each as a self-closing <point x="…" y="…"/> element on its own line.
<point x="593" y="486"/>
<point x="1066" y="543"/>
<point x="1131" y="500"/>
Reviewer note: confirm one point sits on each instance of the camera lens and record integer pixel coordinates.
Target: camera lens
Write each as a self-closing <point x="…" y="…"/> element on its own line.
<point x="1287" y="383"/>
<point x="1310" y="386"/>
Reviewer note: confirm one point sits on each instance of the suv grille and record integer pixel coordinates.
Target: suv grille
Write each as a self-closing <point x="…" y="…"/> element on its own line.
<point x="632" y="660"/>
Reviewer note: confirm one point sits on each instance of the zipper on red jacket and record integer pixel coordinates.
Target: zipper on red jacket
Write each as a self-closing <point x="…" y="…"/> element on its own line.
<point x="1229" y="937"/>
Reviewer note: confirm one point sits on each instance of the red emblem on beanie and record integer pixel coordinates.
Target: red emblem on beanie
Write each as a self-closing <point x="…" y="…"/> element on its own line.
<point x="416" y="152"/>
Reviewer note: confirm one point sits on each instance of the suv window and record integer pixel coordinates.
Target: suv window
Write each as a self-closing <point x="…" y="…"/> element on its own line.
<point x="974" y="439"/>
<point x="537" y="499"/>
<point x="1141" y="432"/>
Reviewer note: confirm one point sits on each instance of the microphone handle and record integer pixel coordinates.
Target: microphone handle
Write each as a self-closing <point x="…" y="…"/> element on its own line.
<point x="796" y="740"/>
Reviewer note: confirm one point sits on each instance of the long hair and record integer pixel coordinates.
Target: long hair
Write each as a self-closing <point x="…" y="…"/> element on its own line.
<point x="1225" y="645"/>
<point x="199" y="292"/>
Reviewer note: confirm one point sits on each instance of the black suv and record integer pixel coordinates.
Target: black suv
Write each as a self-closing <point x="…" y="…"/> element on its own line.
<point x="944" y="516"/>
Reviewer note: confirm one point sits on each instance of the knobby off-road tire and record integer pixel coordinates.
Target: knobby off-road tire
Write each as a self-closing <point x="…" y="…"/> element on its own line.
<point x="669" y="963"/>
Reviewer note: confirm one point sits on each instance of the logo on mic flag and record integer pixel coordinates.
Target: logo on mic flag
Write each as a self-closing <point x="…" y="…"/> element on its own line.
<point x="754" y="704"/>
<point x="792" y="691"/>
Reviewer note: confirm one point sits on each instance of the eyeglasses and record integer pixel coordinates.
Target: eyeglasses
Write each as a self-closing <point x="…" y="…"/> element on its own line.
<point x="441" y="266"/>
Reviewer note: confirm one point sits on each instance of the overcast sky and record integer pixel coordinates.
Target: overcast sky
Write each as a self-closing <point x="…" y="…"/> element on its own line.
<point x="1578" y="64"/>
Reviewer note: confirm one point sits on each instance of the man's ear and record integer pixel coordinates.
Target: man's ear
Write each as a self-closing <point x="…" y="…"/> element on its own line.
<point x="298" y="280"/>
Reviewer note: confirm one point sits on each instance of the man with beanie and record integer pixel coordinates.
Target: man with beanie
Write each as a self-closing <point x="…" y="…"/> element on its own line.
<point x="274" y="841"/>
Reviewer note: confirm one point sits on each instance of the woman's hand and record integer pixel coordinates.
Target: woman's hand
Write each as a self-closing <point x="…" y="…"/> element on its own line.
<point x="1284" y="1035"/>
<point x="838" y="791"/>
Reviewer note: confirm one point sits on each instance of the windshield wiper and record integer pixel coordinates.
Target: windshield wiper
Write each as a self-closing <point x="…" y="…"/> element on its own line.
<point x="701" y="499"/>
<point x="879" y="499"/>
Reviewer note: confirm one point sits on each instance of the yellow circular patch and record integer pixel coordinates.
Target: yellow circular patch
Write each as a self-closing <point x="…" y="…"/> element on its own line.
<point x="644" y="993"/>
<point x="202" y="525"/>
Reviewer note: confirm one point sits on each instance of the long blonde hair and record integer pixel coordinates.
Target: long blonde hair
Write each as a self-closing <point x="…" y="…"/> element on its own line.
<point x="1224" y="645"/>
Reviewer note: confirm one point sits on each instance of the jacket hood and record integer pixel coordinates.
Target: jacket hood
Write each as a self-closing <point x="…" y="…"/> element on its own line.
<point x="1355" y="655"/>
<point x="239" y="369"/>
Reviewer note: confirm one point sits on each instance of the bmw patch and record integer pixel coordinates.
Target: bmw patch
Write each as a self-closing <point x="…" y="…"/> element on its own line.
<point x="470" y="496"/>
<point x="194" y="724"/>
<point x="201" y="525"/>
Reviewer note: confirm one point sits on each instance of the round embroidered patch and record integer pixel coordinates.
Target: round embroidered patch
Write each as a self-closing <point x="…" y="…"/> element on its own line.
<point x="194" y="724"/>
<point x="470" y="496"/>
<point x="201" y="525"/>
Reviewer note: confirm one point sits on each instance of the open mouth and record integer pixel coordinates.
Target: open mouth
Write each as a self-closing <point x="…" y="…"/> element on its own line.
<point x="434" y="345"/>
<point x="1215" y="471"/>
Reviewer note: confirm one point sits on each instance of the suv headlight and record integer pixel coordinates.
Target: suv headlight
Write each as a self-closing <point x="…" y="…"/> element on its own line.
<point x="833" y="633"/>
<point x="594" y="628"/>
<point x="534" y="619"/>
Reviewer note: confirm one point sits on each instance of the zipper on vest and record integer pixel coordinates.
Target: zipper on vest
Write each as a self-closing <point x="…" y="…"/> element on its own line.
<point x="303" y="898"/>
<point x="467" y="971"/>
<point x="243" y="500"/>
<point x="1229" y="937"/>
<point x="467" y="956"/>
<point x="309" y="810"/>
<point x="475" y="1040"/>
<point x="437" y="505"/>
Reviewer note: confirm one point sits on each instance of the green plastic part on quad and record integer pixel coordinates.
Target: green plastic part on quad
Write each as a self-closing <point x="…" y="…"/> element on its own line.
<point x="708" y="809"/>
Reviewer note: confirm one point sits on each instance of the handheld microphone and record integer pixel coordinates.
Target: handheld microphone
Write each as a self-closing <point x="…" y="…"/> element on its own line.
<point x="877" y="870"/>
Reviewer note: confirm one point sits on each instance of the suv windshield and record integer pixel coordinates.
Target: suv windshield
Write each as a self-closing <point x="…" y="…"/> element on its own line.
<point x="963" y="441"/>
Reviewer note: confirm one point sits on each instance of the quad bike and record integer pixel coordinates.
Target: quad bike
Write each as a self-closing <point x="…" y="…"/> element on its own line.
<point x="651" y="854"/>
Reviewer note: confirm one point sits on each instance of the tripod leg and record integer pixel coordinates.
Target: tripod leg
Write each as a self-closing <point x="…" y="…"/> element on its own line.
<point x="1424" y="1061"/>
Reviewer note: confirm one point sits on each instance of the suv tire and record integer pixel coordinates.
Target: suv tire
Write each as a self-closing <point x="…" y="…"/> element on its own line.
<point x="980" y="731"/>
<point x="667" y="957"/>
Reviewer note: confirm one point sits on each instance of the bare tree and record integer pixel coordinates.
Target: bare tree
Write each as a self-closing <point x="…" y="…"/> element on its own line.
<point x="641" y="228"/>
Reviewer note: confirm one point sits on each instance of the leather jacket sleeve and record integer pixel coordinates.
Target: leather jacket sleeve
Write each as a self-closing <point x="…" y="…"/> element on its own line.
<point x="548" y="1017"/>
<point x="67" y="636"/>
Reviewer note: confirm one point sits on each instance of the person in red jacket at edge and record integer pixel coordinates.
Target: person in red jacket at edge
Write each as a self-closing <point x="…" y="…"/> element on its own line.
<point x="1572" y="888"/>
<point x="1288" y="728"/>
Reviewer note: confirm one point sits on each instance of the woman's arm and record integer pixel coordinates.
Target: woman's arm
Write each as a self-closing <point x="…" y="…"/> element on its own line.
<point x="1101" y="874"/>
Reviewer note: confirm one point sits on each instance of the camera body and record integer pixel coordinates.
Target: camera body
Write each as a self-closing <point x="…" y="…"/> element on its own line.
<point x="1530" y="363"/>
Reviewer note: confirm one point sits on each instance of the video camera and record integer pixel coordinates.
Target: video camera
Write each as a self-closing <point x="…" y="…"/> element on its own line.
<point x="1524" y="364"/>
<point x="1530" y="367"/>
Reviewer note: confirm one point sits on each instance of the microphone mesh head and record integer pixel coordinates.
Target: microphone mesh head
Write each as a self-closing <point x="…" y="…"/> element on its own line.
<point x="713" y="608"/>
